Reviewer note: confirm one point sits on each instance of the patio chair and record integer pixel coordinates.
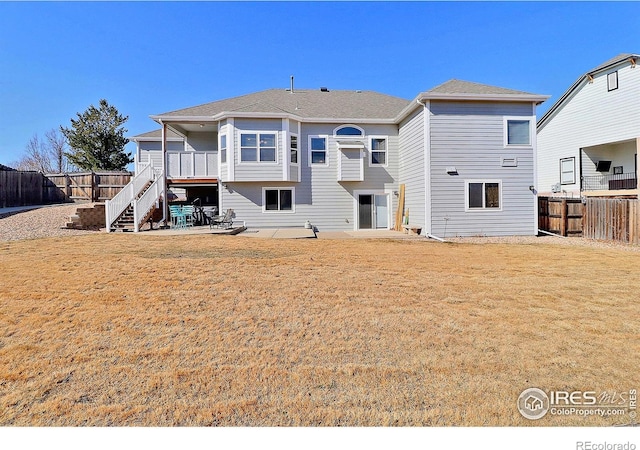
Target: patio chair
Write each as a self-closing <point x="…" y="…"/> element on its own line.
<point x="225" y="221"/>
<point x="178" y="219"/>
<point x="187" y="210"/>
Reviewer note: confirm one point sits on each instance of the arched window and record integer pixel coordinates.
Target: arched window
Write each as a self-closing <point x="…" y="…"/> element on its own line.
<point x="348" y="131"/>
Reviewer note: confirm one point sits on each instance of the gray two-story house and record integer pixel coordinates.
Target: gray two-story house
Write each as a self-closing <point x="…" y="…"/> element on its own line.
<point x="462" y="155"/>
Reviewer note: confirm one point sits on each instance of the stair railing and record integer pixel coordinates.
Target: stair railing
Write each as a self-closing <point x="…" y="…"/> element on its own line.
<point x="148" y="200"/>
<point x="121" y="201"/>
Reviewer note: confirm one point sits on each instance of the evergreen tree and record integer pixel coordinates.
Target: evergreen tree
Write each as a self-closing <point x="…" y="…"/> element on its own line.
<point x="96" y="139"/>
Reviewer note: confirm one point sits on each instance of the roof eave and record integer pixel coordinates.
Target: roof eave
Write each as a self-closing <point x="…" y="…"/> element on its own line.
<point x="266" y="115"/>
<point x="534" y="98"/>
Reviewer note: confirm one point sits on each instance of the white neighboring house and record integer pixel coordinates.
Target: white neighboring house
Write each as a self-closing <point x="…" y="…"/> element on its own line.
<point x="465" y="152"/>
<point x="588" y="140"/>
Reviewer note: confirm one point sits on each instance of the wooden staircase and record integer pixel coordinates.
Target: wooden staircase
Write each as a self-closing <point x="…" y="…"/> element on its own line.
<point x="126" y="221"/>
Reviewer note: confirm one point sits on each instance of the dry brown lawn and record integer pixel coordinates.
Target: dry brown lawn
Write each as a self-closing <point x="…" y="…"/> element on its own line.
<point x="120" y="329"/>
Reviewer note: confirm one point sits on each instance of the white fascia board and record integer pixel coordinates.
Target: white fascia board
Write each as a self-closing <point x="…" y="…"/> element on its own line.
<point x="167" y="119"/>
<point x="155" y="139"/>
<point x="341" y="120"/>
<point x="484" y="97"/>
<point x="263" y="115"/>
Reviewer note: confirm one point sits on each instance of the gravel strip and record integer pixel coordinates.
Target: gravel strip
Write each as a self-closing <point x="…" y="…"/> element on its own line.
<point x="543" y="239"/>
<point x="48" y="221"/>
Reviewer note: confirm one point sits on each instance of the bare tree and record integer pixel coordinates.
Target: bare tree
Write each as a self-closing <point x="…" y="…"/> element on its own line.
<point x="36" y="157"/>
<point x="45" y="156"/>
<point x="57" y="147"/>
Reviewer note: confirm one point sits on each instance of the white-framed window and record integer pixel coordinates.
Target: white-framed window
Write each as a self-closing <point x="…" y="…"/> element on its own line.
<point x="483" y="195"/>
<point x="517" y="131"/>
<point x="258" y="147"/>
<point x="612" y="81"/>
<point x="278" y="199"/>
<point x="293" y="147"/>
<point x="348" y="131"/>
<point x="223" y="148"/>
<point x="318" y="155"/>
<point x="378" y="150"/>
<point x="568" y="170"/>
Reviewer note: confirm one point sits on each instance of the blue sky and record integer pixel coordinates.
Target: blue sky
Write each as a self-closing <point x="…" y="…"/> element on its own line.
<point x="145" y="58"/>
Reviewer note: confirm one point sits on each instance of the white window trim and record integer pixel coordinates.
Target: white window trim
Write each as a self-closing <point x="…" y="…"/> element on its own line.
<point x="348" y="125"/>
<point x="278" y="188"/>
<point x="326" y="149"/>
<point x="257" y="161"/>
<point x="573" y="172"/>
<point x="370" y="146"/>
<point x="484" y="209"/>
<point x="609" y="88"/>
<point x="505" y="128"/>
<point x="297" y="149"/>
<point x="226" y="148"/>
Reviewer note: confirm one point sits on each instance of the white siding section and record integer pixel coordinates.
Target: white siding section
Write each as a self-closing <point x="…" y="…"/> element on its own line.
<point x="469" y="136"/>
<point x="412" y="166"/>
<point x="351" y="164"/>
<point x="593" y="116"/>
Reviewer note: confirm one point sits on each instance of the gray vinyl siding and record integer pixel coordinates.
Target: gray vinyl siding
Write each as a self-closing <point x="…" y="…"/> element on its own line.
<point x="412" y="166"/>
<point x="470" y="137"/>
<point x="259" y="171"/>
<point x="351" y="164"/>
<point x="592" y="116"/>
<point x="294" y="170"/>
<point x="319" y="196"/>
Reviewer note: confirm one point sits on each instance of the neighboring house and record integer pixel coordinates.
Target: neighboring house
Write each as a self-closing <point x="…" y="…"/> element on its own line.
<point x="465" y="152"/>
<point x="6" y="168"/>
<point x="588" y="140"/>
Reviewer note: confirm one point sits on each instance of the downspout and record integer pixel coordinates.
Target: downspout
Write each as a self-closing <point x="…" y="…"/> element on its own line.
<point x="165" y="206"/>
<point x="426" y="124"/>
<point x="431" y="236"/>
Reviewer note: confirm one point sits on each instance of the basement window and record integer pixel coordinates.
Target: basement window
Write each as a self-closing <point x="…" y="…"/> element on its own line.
<point x="277" y="199"/>
<point x="483" y="195"/>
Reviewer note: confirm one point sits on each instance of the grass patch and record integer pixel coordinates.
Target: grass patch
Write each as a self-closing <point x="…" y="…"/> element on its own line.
<point x="117" y="329"/>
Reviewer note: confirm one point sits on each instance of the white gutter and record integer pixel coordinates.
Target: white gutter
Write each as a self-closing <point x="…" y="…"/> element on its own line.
<point x="431" y="236"/>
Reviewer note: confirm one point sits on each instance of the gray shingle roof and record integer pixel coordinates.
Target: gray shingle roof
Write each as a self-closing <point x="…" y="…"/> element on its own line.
<point x="467" y="87"/>
<point x="157" y="134"/>
<point x="6" y="168"/>
<point x="616" y="59"/>
<point x="305" y="103"/>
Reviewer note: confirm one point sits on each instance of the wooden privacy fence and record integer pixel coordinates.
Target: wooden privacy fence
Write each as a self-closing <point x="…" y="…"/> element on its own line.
<point x="19" y="188"/>
<point x="612" y="219"/>
<point x="90" y="186"/>
<point x="559" y="215"/>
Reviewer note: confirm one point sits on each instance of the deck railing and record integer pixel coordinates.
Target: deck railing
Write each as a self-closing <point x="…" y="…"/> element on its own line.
<point x="610" y="182"/>
<point x="147" y="200"/>
<point x="121" y="201"/>
<point x="195" y="164"/>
